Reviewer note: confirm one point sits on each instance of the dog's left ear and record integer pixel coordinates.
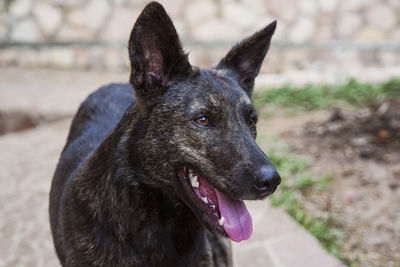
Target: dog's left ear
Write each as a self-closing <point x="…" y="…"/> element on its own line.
<point x="245" y="59"/>
<point x="155" y="52"/>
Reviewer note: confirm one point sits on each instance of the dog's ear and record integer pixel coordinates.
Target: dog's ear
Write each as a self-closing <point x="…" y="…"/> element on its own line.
<point x="155" y="53"/>
<point x="245" y="58"/>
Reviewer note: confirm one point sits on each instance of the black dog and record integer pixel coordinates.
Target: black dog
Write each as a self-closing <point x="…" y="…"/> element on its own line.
<point x="160" y="179"/>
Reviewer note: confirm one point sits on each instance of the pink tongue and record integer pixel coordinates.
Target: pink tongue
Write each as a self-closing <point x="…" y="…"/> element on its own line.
<point x="237" y="224"/>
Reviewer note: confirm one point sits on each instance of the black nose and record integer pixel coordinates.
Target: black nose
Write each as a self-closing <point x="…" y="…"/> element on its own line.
<point x="267" y="179"/>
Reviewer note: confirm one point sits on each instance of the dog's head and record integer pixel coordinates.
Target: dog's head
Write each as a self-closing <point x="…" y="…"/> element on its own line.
<point x="199" y="125"/>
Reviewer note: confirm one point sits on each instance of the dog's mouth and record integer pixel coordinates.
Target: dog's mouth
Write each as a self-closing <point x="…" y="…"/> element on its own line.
<point x="226" y="215"/>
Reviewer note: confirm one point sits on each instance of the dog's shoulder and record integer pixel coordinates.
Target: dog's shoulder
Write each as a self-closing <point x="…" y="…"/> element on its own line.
<point x="111" y="101"/>
<point x="112" y="92"/>
<point x="97" y="116"/>
<point x="102" y="109"/>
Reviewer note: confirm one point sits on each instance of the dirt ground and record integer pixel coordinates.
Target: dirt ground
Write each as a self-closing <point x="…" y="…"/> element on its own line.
<point x="361" y="148"/>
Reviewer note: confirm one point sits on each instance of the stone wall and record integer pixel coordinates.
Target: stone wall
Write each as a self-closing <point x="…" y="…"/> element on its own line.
<point x="311" y="34"/>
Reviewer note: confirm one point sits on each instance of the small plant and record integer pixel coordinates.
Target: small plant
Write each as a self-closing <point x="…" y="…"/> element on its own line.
<point x="305" y="181"/>
<point x="323" y="183"/>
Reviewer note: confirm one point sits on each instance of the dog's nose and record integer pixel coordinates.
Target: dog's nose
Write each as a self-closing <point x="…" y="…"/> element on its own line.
<point x="267" y="179"/>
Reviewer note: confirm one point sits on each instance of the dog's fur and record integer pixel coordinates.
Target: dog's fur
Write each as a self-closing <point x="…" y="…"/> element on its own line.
<point x="116" y="199"/>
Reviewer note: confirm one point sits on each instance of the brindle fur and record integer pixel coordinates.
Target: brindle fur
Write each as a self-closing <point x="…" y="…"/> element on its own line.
<point x="116" y="199"/>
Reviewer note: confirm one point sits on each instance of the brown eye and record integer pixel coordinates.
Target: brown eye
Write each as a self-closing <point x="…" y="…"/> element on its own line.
<point x="252" y="123"/>
<point x="203" y="121"/>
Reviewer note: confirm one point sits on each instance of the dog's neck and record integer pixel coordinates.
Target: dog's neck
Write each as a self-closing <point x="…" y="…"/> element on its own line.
<point x="129" y="210"/>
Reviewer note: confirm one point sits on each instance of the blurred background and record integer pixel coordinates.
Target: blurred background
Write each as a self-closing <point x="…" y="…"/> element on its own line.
<point x="320" y="35"/>
<point x="328" y="97"/>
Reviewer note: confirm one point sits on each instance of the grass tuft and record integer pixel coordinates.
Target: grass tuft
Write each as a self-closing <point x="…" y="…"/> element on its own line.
<point x="310" y="97"/>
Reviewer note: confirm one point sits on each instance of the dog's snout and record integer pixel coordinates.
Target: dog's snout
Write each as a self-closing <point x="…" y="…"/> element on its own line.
<point x="267" y="179"/>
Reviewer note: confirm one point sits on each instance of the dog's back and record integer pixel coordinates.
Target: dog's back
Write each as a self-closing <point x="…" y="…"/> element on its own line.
<point x="96" y="118"/>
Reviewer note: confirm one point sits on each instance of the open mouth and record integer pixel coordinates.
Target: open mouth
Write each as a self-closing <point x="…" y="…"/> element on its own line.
<point x="224" y="214"/>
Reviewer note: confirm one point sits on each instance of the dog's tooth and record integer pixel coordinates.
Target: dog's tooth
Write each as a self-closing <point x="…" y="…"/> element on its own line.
<point x="194" y="183"/>
<point x="212" y="206"/>
<point x="221" y="221"/>
<point x="193" y="178"/>
<point x="205" y="199"/>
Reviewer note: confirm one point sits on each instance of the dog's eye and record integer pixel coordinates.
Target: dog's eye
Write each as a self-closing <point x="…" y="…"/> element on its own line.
<point x="203" y="121"/>
<point x="252" y="123"/>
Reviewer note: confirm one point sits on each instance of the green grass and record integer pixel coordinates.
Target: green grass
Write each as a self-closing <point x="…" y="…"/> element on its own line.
<point x="310" y="97"/>
<point x="296" y="182"/>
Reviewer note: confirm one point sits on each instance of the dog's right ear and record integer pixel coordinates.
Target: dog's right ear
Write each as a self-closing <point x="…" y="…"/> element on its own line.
<point x="155" y="52"/>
